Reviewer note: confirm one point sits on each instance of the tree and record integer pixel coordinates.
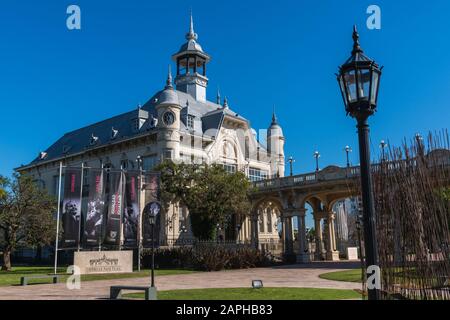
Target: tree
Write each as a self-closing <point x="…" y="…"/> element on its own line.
<point x="211" y="195"/>
<point x="26" y="215"/>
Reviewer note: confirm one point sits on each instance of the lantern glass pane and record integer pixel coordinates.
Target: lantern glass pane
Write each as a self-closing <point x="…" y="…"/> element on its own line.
<point x="341" y="84"/>
<point x="350" y="83"/>
<point x="375" y="79"/>
<point x="364" y="83"/>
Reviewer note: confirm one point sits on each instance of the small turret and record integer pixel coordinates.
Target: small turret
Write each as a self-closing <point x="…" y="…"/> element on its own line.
<point x="275" y="146"/>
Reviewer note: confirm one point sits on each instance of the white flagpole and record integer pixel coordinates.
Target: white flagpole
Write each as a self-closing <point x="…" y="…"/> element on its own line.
<point x="57" y="216"/>
<point x="81" y="202"/>
<point x="103" y="217"/>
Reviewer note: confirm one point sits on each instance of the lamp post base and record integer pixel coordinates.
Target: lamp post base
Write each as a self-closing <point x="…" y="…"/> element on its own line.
<point x="151" y="294"/>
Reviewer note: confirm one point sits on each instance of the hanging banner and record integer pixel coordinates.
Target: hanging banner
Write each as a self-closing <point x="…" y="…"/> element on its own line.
<point x="115" y="207"/>
<point x="95" y="208"/>
<point x="71" y="216"/>
<point x="152" y="197"/>
<point x="131" y="214"/>
<point x="152" y="224"/>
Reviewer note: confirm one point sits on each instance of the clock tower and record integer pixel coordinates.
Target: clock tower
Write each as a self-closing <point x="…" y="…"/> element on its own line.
<point x="168" y="108"/>
<point x="191" y="67"/>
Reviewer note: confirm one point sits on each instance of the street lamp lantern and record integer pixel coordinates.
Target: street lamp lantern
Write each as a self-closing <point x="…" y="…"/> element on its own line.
<point x="359" y="80"/>
<point x="347" y="150"/>
<point x="383" y="145"/>
<point x="291" y="160"/>
<point x="317" y="156"/>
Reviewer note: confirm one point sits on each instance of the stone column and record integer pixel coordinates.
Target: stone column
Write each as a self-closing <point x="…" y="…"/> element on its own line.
<point x="318" y="229"/>
<point x="303" y="254"/>
<point x="288" y="222"/>
<point x="332" y="253"/>
<point x="254" y="230"/>
<point x="283" y="234"/>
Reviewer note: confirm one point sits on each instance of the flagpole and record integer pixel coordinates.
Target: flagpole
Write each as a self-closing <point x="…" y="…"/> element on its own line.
<point x="81" y="202"/>
<point x="57" y="216"/>
<point x="100" y="238"/>
<point x="139" y="230"/>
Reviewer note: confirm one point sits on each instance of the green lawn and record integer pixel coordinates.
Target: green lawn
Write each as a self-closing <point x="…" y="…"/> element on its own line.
<point x="253" y="294"/>
<point x="13" y="277"/>
<point x="353" y="275"/>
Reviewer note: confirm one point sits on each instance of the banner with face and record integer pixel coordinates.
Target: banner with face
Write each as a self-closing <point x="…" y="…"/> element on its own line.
<point x="71" y="210"/>
<point x="93" y="225"/>
<point x="131" y="214"/>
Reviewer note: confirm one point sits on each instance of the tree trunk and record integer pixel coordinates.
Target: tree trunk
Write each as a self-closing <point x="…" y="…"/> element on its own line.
<point x="6" y="260"/>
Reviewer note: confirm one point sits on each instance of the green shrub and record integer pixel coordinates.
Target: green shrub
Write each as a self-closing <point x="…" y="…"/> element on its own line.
<point x="208" y="257"/>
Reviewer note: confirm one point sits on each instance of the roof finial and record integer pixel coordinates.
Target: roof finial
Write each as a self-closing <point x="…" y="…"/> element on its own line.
<point x="225" y="102"/>
<point x="169" y="78"/>
<point x="356" y="47"/>
<point x="218" y="96"/>
<point x="274" y="116"/>
<point x="191" y="35"/>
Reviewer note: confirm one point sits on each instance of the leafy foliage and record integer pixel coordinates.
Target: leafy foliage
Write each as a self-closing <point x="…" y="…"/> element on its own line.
<point x="25" y="215"/>
<point x="210" y="193"/>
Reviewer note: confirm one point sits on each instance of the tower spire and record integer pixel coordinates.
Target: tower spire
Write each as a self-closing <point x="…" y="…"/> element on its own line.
<point x="191" y="35"/>
<point x="218" y="96"/>
<point x="274" y="116"/>
<point x="225" y="103"/>
<point x="169" y="78"/>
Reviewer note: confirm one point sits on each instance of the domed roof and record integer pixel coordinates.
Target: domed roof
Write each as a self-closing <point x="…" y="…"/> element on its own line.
<point x="275" y="128"/>
<point x="168" y="96"/>
<point x="191" y="45"/>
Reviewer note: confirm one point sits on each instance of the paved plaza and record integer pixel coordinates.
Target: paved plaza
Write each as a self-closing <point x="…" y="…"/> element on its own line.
<point x="306" y="276"/>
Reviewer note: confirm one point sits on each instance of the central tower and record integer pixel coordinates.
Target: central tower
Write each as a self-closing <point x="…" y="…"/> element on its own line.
<point x="191" y="67"/>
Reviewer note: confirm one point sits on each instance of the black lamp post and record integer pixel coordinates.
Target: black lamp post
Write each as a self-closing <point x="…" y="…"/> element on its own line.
<point x="359" y="79"/>
<point x="317" y="156"/>
<point x="291" y="160"/>
<point x="151" y="211"/>
<point x="347" y="151"/>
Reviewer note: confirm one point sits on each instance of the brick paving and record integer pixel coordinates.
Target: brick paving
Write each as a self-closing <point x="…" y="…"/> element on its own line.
<point x="306" y="276"/>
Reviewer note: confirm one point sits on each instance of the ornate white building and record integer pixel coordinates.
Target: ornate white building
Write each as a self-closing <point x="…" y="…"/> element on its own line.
<point x="176" y="123"/>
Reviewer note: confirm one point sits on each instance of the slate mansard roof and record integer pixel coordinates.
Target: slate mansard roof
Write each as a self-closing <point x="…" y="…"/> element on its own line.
<point x="208" y="117"/>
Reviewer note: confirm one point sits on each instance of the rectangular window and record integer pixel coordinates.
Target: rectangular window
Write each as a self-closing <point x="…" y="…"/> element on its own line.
<point x="229" y="168"/>
<point x="149" y="162"/>
<point x="168" y="154"/>
<point x="190" y="121"/>
<point x="255" y="174"/>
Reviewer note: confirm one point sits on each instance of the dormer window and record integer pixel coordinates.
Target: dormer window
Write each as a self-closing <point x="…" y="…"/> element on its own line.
<point x="42" y="155"/>
<point x="190" y="121"/>
<point x="114" y="133"/>
<point x="94" y="140"/>
<point x="153" y="122"/>
<point x="66" y="148"/>
<point x="137" y="124"/>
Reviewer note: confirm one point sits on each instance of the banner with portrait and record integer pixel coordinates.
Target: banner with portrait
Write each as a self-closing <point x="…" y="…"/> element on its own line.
<point x="93" y="225"/>
<point x="131" y="215"/>
<point x="115" y="208"/>
<point x="71" y="210"/>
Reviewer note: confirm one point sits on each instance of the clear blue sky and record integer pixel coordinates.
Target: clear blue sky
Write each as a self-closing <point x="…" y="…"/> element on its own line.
<point x="53" y="80"/>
